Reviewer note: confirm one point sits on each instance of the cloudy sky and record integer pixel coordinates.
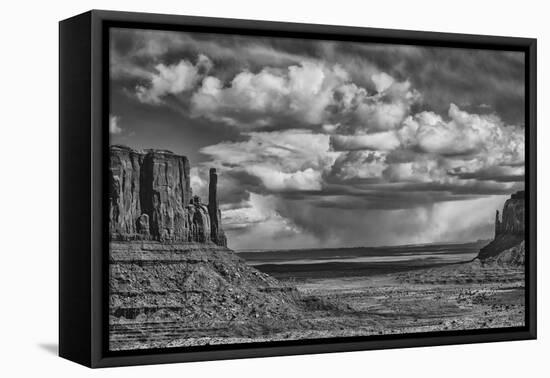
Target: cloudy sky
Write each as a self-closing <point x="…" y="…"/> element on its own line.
<point x="328" y="143"/>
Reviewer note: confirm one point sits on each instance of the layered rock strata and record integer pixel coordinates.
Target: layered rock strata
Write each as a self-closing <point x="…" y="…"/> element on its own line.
<point x="150" y="198"/>
<point x="164" y="293"/>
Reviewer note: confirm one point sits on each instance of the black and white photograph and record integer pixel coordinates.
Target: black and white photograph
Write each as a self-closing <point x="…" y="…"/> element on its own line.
<point x="277" y="189"/>
<point x="269" y="189"/>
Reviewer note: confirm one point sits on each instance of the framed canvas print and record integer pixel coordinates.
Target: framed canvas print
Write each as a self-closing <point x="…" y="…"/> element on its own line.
<point x="234" y="188"/>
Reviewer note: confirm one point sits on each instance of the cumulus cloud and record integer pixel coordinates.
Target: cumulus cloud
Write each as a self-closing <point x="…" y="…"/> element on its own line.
<point x="464" y="134"/>
<point x="281" y="160"/>
<point x="330" y="143"/>
<point x="427" y="148"/>
<point x="310" y="92"/>
<point x="251" y="212"/>
<point x="359" y="164"/>
<point x="485" y="158"/>
<point x="422" y="170"/>
<point x="378" y="141"/>
<point x="382" y="81"/>
<point x="199" y="183"/>
<point x="114" y="126"/>
<point x="274" y="179"/>
<point x="388" y="108"/>
<point x="380" y="115"/>
<point x="173" y="79"/>
<point x="301" y="92"/>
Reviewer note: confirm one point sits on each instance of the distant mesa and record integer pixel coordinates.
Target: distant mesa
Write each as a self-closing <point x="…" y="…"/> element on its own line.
<point x="150" y="198"/>
<point x="509" y="230"/>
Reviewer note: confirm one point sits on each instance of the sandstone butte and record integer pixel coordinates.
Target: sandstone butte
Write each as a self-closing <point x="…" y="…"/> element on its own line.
<point x="509" y="232"/>
<point x="150" y="198"/>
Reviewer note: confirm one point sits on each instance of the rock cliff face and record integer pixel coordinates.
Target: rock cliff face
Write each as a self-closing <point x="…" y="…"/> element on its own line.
<point x="150" y="198"/>
<point x="510" y="230"/>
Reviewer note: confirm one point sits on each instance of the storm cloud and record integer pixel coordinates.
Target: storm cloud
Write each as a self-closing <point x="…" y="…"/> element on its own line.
<point x="328" y="143"/>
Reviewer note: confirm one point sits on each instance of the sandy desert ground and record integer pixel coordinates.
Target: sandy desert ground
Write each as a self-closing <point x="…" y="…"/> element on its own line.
<point x="453" y="297"/>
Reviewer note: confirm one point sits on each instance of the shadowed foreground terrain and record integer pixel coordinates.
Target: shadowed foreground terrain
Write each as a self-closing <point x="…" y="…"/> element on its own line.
<point x="182" y="295"/>
<point x="164" y="295"/>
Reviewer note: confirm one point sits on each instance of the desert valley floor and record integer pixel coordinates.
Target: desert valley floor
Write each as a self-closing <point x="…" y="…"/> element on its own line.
<point x="347" y="292"/>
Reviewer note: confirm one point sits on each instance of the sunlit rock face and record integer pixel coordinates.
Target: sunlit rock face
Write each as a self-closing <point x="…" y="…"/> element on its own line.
<point x="150" y="198"/>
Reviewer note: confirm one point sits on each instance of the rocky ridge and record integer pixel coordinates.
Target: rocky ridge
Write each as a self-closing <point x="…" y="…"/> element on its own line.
<point x="154" y="281"/>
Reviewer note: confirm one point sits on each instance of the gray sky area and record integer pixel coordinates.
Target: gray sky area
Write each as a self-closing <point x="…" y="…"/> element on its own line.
<point x="328" y="143"/>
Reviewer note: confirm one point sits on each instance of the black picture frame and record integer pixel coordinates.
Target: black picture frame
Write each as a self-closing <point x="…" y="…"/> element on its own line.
<point x="83" y="153"/>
